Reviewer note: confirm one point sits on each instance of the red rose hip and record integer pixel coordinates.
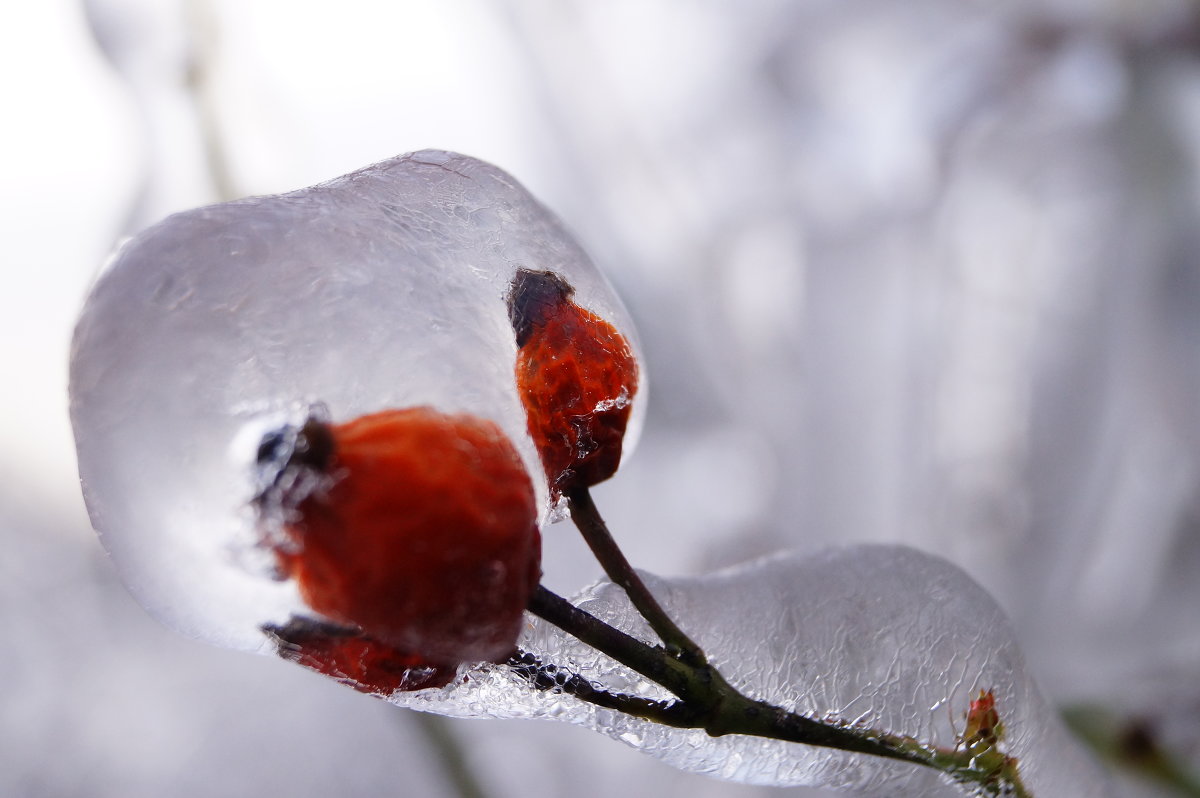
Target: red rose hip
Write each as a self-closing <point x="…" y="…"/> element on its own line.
<point x="576" y="376"/>
<point x="416" y="527"/>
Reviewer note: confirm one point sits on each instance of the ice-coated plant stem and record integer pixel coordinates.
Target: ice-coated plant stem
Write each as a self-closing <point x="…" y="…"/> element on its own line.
<point x="705" y="700"/>
<point x="652" y="662"/>
<point x="552" y="678"/>
<point x="595" y="532"/>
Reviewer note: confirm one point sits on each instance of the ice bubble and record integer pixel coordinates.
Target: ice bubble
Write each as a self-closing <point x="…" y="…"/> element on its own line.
<point x="384" y="288"/>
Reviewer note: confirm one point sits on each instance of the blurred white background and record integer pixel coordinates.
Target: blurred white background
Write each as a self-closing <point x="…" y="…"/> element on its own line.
<point x="923" y="271"/>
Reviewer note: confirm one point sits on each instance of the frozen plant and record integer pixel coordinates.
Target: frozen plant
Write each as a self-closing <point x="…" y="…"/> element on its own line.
<point x="330" y="425"/>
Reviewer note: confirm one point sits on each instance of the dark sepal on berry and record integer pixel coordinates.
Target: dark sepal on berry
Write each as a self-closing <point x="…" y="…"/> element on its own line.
<point x="284" y="453"/>
<point x="532" y="298"/>
<point x="353" y="658"/>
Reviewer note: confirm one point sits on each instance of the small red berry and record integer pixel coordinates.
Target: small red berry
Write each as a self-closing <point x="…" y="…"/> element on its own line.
<point x="355" y="659"/>
<point x="416" y="527"/>
<point x="576" y="376"/>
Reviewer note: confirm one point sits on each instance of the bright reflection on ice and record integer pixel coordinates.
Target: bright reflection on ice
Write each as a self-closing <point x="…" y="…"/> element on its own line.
<point x="872" y="634"/>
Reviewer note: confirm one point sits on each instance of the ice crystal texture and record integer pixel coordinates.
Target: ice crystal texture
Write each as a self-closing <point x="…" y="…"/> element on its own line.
<point x="881" y="636"/>
<point x="380" y="289"/>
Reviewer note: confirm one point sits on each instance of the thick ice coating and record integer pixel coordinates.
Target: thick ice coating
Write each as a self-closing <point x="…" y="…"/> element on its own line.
<point x="882" y="636"/>
<point x="381" y="289"/>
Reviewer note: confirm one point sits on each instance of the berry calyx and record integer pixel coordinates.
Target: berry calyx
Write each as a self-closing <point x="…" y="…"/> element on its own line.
<point x="576" y="376"/>
<point x="355" y="659"/>
<point x="415" y="527"/>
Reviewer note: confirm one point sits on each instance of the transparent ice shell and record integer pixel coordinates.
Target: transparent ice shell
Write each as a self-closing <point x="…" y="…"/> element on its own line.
<point x="881" y="636"/>
<point x="384" y="288"/>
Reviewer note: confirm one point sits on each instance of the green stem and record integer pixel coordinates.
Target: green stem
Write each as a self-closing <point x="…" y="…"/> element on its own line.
<point x="617" y="567"/>
<point x="742" y="715"/>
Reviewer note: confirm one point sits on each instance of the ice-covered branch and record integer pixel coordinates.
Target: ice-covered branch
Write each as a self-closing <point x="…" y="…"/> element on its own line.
<point x="382" y="305"/>
<point x="595" y="532"/>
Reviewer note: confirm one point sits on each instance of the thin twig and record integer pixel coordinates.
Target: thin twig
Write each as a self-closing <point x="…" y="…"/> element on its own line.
<point x="706" y="700"/>
<point x="612" y="560"/>
<point x="651" y="662"/>
<point x="551" y="678"/>
<point x="714" y="705"/>
<point x="201" y="18"/>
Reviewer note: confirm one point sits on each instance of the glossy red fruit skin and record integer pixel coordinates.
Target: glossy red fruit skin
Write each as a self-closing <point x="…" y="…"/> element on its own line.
<point x="576" y="376"/>
<point x="355" y="659"/>
<point x="425" y="537"/>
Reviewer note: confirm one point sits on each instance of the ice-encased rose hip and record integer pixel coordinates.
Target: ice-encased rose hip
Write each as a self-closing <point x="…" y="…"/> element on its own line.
<point x="576" y="376"/>
<point x="414" y="526"/>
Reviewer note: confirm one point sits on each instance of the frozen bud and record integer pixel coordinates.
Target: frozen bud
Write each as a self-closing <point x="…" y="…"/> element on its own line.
<point x="577" y="377"/>
<point x="983" y="721"/>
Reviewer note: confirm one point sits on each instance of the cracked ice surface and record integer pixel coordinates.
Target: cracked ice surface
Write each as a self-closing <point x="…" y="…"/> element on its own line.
<point x="883" y="635"/>
<point x="383" y="288"/>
